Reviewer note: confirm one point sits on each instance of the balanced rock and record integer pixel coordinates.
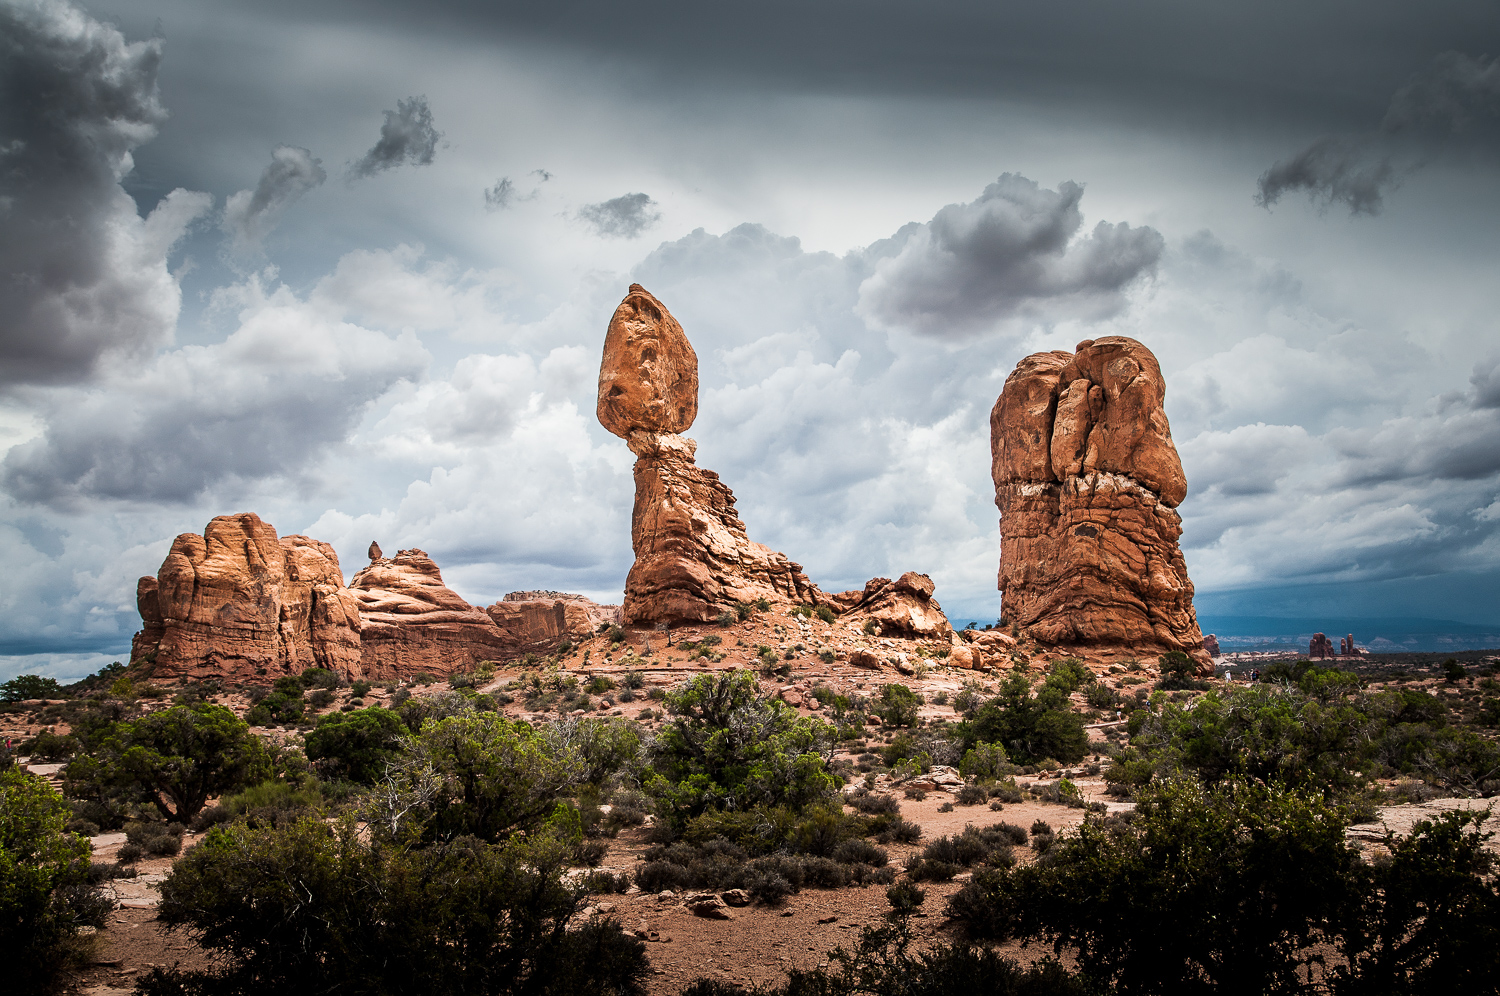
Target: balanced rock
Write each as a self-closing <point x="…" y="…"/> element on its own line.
<point x="537" y="621"/>
<point x="904" y="607"/>
<point x="648" y="379"/>
<point x="242" y="604"/>
<point x="693" y="558"/>
<point x="413" y="623"/>
<point x="1087" y="481"/>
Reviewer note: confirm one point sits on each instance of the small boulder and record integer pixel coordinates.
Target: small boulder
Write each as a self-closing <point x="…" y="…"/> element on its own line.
<point x="707" y="905"/>
<point x="736" y="897"/>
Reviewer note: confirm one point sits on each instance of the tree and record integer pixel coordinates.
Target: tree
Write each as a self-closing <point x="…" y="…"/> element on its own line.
<point x="44" y="898"/>
<point x="477" y="774"/>
<point x="897" y="706"/>
<point x="312" y="908"/>
<point x="29" y="686"/>
<point x="1223" y="891"/>
<point x="356" y="745"/>
<point x="727" y="747"/>
<point x="1029" y="727"/>
<point x="176" y="759"/>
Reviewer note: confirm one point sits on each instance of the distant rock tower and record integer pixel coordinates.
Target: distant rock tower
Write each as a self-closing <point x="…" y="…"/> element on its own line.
<point x="1087" y="481"/>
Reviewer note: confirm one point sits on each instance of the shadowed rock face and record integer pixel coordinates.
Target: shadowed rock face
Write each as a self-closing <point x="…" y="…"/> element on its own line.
<point x="237" y="602"/>
<point x="1087" y="479"/>
<point x="537" y="621"/>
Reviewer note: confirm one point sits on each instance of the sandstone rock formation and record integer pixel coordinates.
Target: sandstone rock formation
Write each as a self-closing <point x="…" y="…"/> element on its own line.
<point x="537" y="621"/>
<point x="1347" y="647"/>
<point x="1211" y="645"/>
<point x="1087" y="479"/>
<point x="237" y="602"/>
<point x="904" y="607"/>
<point x="693" y="559"/>
<point x="413" y="623"/>
<point x="1320" y="647"/>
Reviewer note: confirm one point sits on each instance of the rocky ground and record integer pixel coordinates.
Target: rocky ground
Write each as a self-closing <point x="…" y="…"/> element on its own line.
<point x="753" y="943"/>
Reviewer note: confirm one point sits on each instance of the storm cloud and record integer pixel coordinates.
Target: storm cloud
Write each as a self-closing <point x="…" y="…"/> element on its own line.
<point x="250" y="215"/>
<point x="1455" y="99"/>
<point x="82" y="275"/>
<point x="1011" y="253"/>
<point x="282" y="389"/>
<point x="407" y="137"/>
<point x="623" y="217"/>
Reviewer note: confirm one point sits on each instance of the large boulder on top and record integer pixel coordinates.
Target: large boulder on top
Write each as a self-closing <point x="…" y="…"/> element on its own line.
<point x="648" y="377"/>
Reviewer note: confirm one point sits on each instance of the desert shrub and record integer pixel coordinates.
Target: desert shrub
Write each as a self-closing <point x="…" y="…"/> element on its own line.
<point x="857" y="851"/>
<point x="985" y="762"/>
<point x="50" y="746"/>
<point x="1101" y="696"/>
<point x="1179" y="672"/>
<point x="590" y="852"/>
<point x="873" y="804"/>
<point x="1006" y="791"/>
<point x="914" y="793"/>
<point x="154" y="838"/>
<point x="1453" y="671"/>
<point x="896" y="706"/>
<point x="825" y="613"/>
<point x="599" y="684"/>
<point x="726" y="746"/>
<point x="899" y="831"/>
<point x="321" y="698"/>
<point x="174" y="759"/>
<point x="45" y="895"/>
<point x="605" y="883"/>
<point x="313" y="908"/>
<point x="870" y="628"/>
<point x="477" y="775"/>
<point x="1029" y="726"/>
<point x="972" y="795"/>
<point x="634" y="680"/>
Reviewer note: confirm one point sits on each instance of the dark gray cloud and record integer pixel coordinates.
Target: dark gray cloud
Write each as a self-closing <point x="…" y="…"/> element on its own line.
<point x="505" y="192"/>
<point x="1454" y="99"/>
<point x="81" y="274"/>
<point x="250" y="215"/>
<point x="407" y="136"/>
<point x="623" y="217"/>
<point x="1010" y="253"/>
<point x="1486" y="381"/>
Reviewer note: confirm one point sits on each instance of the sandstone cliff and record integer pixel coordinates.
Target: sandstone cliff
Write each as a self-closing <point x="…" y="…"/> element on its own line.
<point x="238" y="602"/>
<point x="413" y="623"/>
<point x="1087" y="480"/>
<point x="537" y="621"/>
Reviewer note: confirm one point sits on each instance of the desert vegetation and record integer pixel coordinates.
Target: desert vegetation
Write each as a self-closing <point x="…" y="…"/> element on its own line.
<point x="453" y="837"/>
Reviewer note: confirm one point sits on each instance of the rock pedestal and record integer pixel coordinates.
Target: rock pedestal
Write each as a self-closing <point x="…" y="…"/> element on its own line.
<point x="693" y="558"/>
<point x="1087" y="481"/>
<point x="1320" y="647"/>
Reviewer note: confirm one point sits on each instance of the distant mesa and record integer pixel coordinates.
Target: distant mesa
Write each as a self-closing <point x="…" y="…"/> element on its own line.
<point x="241" y="604"/>
<point x="694" y="560"/>
<point x="1087" y="481"/>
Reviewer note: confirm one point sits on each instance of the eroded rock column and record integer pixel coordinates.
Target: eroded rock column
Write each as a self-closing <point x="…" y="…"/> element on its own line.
<point x="1087" y="481"/>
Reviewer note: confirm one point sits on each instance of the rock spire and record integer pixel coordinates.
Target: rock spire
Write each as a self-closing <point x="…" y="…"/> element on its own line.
<point x="1087" y="481"/>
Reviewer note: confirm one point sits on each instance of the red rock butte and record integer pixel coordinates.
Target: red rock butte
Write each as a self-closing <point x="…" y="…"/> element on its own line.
<point x="1087" y="481"/>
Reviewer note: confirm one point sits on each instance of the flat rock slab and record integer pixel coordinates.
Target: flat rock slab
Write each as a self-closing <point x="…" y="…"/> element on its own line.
<point x="1401" y="819"/>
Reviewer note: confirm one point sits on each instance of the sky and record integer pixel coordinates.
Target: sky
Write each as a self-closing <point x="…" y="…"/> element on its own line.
<point x="349" y="266"/>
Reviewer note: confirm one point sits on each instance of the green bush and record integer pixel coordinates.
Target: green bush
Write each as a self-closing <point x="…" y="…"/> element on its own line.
<point x="314" y="908"/>
<point x="30" y="686"/>
<point x="728" y="747"/>
<point x="356" y="745"/>
<point x="1029" y="726"/>
<point x="1179" y="672"/>
<point x="175" y="759"/>
<point x="825" y="613"/>
<point x="985" y="763"/>
<point x="1147" y="904"/>
<point x="45" y="898"/>
<point x="896" y="706"/>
